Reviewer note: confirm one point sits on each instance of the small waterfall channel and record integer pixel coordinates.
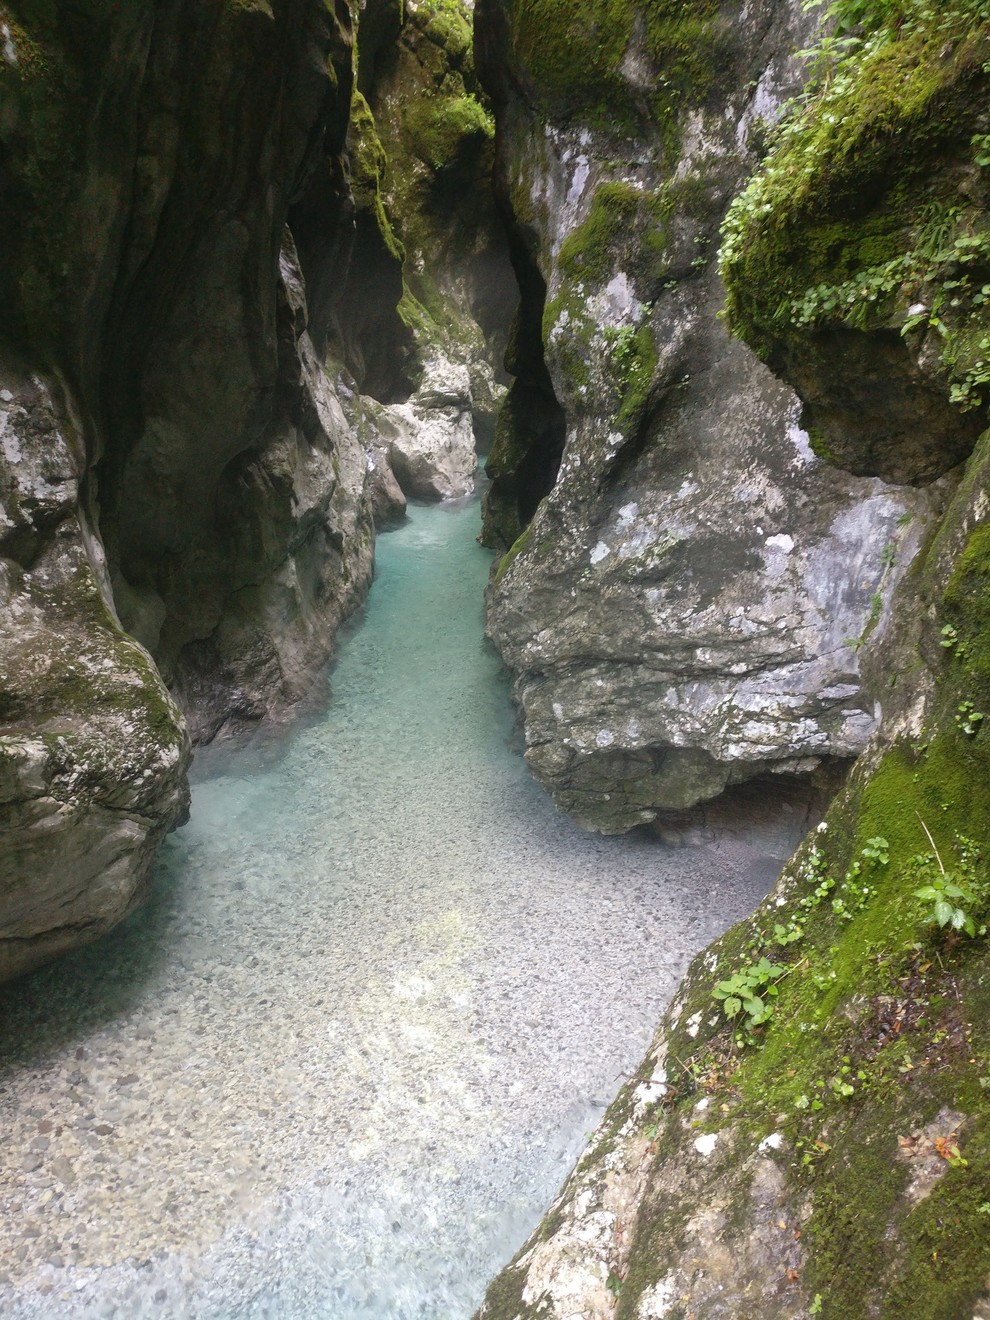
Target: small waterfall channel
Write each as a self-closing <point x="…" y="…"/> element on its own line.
<point x="383" y="991"/>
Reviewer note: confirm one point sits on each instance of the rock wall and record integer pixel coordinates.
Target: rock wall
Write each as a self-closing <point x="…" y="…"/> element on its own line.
<point x="194" y="221"/>
<point x="686" y="589"/>
<point x="809" y="1133"/>
<point x="428" y="126"/>
<point x="184" y="504"/>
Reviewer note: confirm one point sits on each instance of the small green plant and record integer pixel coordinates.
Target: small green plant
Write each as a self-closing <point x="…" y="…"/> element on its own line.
<point x="945" y="897"/>
<point x="877" y="850"/>
<point x="968" y="718"/>
<point x="750" y="991"/>
<point x="949" y="895"/>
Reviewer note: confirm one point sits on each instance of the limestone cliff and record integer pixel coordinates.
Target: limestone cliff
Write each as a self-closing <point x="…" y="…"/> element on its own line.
<point x="423" y="133"/>
<point x="810" y="1132"/>
<point x="197" y="216"/>
<point x="686" y="588"/>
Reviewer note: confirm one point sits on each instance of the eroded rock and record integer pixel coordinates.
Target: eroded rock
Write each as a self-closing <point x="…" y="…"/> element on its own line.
<point x="93" y="750"/>
<point x="686" y="607"/>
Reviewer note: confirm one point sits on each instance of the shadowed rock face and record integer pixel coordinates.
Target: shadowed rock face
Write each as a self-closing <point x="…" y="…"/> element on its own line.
<point x="685" y="609"/>
<point x="175" y="464"/>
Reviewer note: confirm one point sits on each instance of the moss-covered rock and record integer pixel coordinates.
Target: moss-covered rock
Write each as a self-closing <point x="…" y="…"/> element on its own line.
<point x="856" y="259"/>
<point x="435" y="129"/>
<point x="93" y="751"/>
<point x="813" y="1138"/>
<point x="682" y="530"/>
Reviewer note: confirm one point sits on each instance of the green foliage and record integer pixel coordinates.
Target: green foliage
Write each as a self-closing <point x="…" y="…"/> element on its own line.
<point x="847" y="224"/>
<point x="574" y="55"/>
<point x="944" y="893"/>
<point x="633" y="357"/>
<point x="750" y="991"/>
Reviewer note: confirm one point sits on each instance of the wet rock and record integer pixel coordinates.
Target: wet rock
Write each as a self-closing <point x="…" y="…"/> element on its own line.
<point x="431" y="445"/>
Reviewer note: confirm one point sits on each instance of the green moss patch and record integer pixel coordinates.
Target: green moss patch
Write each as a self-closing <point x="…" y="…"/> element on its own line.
<point x="866" y="206"/>
<point x="574" y="56"/>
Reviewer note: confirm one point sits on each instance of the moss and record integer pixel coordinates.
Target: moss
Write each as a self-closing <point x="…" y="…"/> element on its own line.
<point x="946" y="1272"/>
<point x="574" y="56"/>
<point x="638" y="377"/>
<point x="447" y="24"/>
<point x="618" y="212"/>
<point x="517" y="547"/>
<point x="440" y="133"/>
<point x="837" y="226"/>
<point x="368" y="161"/>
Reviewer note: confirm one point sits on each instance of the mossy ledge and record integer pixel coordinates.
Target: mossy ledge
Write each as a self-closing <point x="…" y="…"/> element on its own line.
<point x="856" y="259"/>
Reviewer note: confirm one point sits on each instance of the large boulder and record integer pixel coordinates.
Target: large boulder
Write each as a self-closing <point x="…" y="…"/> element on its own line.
<point x="687" y="591"/>
<point x="93" y="750"/>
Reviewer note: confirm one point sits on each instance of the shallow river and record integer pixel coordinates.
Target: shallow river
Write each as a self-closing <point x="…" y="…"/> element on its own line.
<point x="340" y="1064"/>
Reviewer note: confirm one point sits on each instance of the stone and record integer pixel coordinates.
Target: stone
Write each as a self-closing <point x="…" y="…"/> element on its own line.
<point x="431" y="444"/>
<point x="687" y="608"/>
<point x="93" y="750"/>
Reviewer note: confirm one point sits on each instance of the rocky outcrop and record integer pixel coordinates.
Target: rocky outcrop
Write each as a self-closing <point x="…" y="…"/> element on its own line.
<point x="210" y="451"/>
<point x="430" y="440"/>
<point x="435" y="130"/>
<point x="195" y="217"/>
<point x="809" y="1132"/>
<point x="93" y="751"/>
<point x="686" y="587"/>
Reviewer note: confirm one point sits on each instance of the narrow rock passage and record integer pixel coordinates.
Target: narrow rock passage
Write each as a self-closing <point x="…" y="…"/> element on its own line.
<point x="340" y="1064"/>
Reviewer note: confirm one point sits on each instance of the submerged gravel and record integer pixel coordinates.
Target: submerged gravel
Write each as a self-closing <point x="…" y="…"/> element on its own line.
<point x="383" y="991"/>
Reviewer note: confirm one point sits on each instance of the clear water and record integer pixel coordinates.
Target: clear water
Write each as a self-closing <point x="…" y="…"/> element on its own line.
<point x="340" y="1064"/>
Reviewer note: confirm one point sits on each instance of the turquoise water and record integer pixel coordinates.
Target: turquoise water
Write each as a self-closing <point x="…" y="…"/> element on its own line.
<point x="383" y="991"/>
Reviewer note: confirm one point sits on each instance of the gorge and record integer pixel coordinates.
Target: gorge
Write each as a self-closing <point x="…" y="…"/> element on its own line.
<point x="262" y="262"/>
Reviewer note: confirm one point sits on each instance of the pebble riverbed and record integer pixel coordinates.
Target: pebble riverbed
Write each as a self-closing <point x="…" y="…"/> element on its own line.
<point x="338" y="1066"/>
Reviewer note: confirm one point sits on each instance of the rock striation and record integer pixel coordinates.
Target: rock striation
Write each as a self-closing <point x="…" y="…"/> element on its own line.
<point x="686" y="586"/>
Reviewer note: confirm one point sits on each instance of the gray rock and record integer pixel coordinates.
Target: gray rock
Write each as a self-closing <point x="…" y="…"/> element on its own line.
<point x="686" y="608"/>
<point x="431" y="444"/>
<point x="93" y="751"/>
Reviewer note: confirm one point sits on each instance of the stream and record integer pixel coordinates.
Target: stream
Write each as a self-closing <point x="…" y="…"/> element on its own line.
<point x="340" y="1064"/>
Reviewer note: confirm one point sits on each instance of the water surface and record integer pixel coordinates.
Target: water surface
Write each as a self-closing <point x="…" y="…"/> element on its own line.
<point x="340" y="1064"/>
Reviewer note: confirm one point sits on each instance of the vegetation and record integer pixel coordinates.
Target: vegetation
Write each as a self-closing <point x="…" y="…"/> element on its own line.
<point x="574" y="56"/>
<point x="847" y="224"/>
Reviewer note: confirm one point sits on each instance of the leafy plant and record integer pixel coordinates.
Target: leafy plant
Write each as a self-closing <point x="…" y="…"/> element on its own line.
<point x="968" y="718"/>
<point x="749" y="991"/>
<point x="949" y="894"/>
<point x="945" y="896"/>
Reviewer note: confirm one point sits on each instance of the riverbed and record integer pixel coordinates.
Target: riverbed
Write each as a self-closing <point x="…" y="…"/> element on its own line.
<point x="383" y="991"/>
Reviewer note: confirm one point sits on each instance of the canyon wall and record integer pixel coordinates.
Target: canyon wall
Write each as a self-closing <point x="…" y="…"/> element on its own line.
<point x="193" y="222"/>
<point x="809" y="1133"/>
<point x="687" y="592"/>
